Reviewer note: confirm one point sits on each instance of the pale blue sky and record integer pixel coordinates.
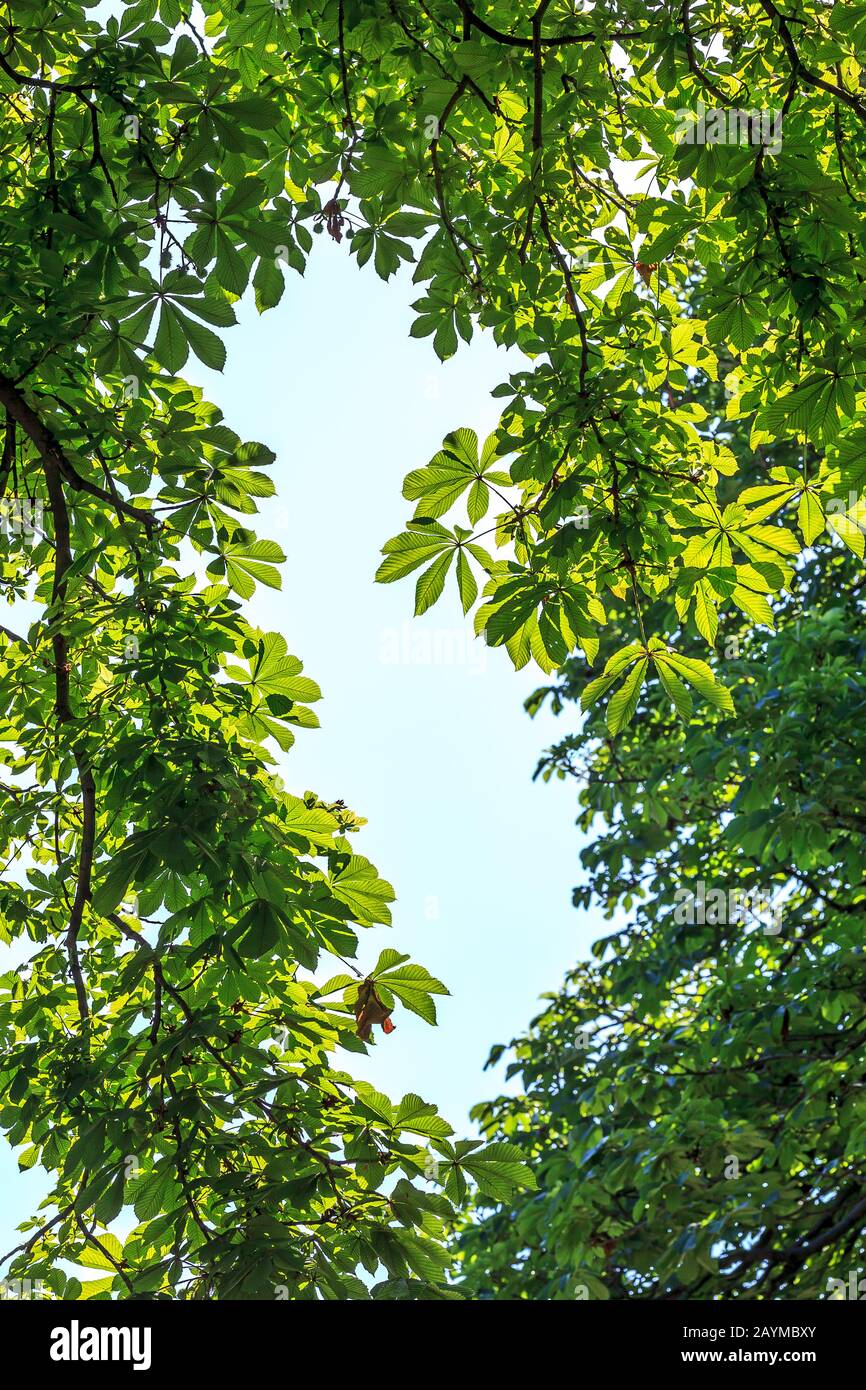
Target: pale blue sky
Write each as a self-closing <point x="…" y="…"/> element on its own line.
<point x="438" y="756"/>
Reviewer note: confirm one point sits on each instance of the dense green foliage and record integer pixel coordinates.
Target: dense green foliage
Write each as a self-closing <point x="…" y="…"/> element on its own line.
<point x="693" y="1098"/>
<point x="619" y="479"/>
<point x="552" y="174"/>
<point x="166" y="1046"/>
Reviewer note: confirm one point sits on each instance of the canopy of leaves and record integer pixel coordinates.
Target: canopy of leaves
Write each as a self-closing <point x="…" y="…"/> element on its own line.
<point x="168" y="1047"/>
<point x="693" y="1097"/>
<point x="586" y="170"/>
<point x="547" y="176"/>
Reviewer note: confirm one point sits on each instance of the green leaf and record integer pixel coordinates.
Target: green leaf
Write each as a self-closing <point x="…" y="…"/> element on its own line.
<point x="755" y="606"/>
<point x="359" y="886"/>
<point x="170" y="346"/>
<point x="268" y="284"/>
<point x="499" y="1170"/>
<point x="419" y="1117"/>
<point x="466" y="582"/>
<point x="432" y="582"/>
<point x="207" y="347"/>
<point x="699" y="675"/>
<point x="706" y="613"/>
<point x="675" y="689"/>
<point x="404" y="553"/>
<point x="623" y="703"/>
<point x="250" y="562"/>
<point x="478" y="502"/>
<point x="92" y="1257"/>
<point x="413" y="985"/>
<point x="258" y="931"/>
<point x="810" y="515"/>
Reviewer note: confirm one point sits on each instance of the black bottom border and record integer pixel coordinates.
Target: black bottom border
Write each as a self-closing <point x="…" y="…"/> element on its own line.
<point x="231" y="1338"/>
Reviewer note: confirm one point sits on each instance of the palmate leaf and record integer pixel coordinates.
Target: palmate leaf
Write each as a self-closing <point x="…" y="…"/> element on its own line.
<point x="531" y="621"/>
<point x="451" y="472"/>
<point x="437" y="487"/>
<point x="247" y="563"/>
<point x="615" y="665"/>
<point x="183" y="301"/>
<point x="810" y="513"/>
<point x="273" y="672"/>
<point x="499" y="1170"/>
<point x="235" y="477"/>
<point x="738" y="322"/>
<point x="417" y="1116"/>
<point x="812" y="408"/>
<point x="406" y="552"/>
<point x="358" y="885"/>
<point x="673" y="671"/>
<point x="413" y="985"/>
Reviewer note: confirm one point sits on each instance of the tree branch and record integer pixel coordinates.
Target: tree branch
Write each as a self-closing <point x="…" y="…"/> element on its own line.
<point x="51" y="453"/>
<point x="800" y="70"/>
<point x="554" y="41"/>
<point x="63" y="710"/>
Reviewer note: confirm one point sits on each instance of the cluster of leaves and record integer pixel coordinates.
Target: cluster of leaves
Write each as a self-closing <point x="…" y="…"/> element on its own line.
<point x="541" y="174"/>
<point x="693" y="1097"/>
<point x="579" y="197"/>
<point x="152" y="174"/>
<point x="167" y="1050"/>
